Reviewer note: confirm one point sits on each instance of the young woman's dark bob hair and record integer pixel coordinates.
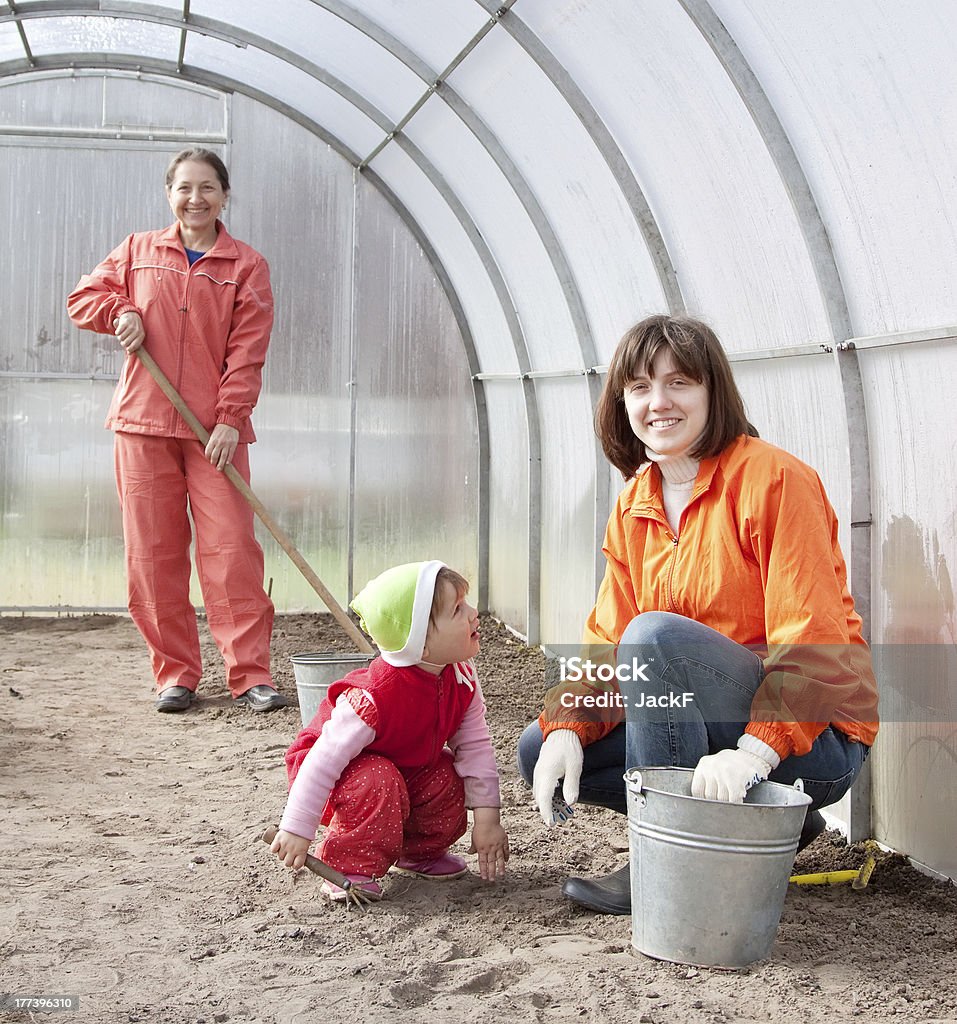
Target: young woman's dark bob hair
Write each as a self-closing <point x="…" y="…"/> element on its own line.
<point x="696" y="352"/>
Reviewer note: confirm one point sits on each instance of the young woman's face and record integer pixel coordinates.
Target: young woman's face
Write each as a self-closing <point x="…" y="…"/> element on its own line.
<point x="196" y="196"/>
<point x="453" y="632"/>
<point x="667" y="409"/>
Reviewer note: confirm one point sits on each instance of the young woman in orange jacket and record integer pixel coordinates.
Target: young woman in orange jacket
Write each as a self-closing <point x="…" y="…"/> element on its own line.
<point x="200" y="302"/>
<point x="724" y="637"/>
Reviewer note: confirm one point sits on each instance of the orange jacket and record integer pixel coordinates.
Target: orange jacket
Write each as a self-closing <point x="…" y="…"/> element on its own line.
<point x="207" y="326"/>
<point x="756" y="559"/>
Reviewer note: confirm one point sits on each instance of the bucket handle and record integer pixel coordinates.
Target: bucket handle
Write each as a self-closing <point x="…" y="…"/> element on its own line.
<point x="633" y="777"/>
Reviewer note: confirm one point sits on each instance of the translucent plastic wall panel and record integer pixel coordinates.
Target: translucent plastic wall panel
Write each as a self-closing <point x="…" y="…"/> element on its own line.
<point x="725" y="217"/>
<point x="436" y="31"/>
<point x="569" y="542"/>
<point x="866" y="93"/>
<point x="797" y="404"/>
<point x="909" y="393"/>
<point x="101" y="35"/>
<point x="292" y="200"/>
<point x="92" y="100"/>
<point x="508" y="499"/>
<point x="570" y="179"/>
<point x="60" y="536"/>
<point x="470" y="278"/>
<point x="288" y="85"/>
<point x="146" y="103"/>
<point x="67" y="207"/>
<point x="506" y="227"/>
<point x="322" y="38"/>
<point x="11" y="47"/>
<point x="417" y="487"/>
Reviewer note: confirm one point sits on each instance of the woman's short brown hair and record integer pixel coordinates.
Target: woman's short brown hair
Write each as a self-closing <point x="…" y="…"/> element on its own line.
<point x="201" y="156"/>
<point x="696" y="352"/>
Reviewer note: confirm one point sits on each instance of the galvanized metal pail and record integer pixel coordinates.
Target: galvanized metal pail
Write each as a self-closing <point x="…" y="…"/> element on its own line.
<point x="708" y="878"/>
<point x="315" y="673"/>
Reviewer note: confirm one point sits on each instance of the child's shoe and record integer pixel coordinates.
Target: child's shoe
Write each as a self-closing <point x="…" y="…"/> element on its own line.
<point x="368" y="886"/>
<point x="446" y="865"/>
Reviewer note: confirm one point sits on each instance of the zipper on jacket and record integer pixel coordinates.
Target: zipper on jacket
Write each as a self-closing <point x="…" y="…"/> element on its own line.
<point x="180" y="360"/>
<point x="671" y="573"/>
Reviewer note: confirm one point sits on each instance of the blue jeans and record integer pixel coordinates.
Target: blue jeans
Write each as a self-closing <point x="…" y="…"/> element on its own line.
<point x="680" y="656"/>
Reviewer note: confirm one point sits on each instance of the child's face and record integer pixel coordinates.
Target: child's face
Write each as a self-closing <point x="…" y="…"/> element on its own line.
<point x="453" y="633"/>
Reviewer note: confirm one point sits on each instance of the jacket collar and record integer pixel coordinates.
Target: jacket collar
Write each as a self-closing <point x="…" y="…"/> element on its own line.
<point x="224" y="246"/>
<point x="646" y="498"/>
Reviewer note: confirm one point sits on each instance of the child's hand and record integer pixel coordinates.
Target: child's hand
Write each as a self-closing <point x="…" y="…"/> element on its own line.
<point x="290" y="849"/>
<point x="490" y="842"/>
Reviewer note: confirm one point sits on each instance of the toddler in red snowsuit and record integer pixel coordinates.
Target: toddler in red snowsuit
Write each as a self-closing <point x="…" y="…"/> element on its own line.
<point x="398" y="751"/>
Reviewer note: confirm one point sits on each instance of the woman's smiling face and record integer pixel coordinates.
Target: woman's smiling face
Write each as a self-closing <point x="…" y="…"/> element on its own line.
<point x="667" y="409"/>
<point x="196" y="197"/>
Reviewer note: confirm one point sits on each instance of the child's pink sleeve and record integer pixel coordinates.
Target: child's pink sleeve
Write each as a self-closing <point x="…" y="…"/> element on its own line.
<point x="474" y="756"/>
<point x="343" y="737"/>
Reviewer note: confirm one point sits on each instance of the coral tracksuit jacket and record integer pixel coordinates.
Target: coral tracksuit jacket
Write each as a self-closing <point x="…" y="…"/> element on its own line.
<point x="756" y="559"/>
<point x="207" y="327"/>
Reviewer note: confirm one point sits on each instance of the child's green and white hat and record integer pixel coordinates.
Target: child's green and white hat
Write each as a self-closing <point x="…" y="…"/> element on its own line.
<point x="394" y="610"/>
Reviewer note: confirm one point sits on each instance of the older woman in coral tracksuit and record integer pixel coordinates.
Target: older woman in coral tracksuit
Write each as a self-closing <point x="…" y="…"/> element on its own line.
<point x="200" y="302"/>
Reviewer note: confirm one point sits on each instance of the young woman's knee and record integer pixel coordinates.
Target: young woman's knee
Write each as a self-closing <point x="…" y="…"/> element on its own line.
<point x="650" y="628"/>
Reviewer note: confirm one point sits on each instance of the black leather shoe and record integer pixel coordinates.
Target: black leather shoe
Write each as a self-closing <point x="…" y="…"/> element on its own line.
<point x="262" y="698"/>
<point x="608" y="895"/>
<point x="175" y="698"/>
<point x="814" y="825"/>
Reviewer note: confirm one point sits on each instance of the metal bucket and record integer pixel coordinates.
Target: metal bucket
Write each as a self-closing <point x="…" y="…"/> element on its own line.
<point x="708" y="878"/>
<point x="315" y="673"/>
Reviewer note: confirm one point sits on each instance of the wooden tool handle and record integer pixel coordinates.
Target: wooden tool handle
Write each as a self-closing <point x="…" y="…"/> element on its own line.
<point x="283" y="539"/>
<point x="315" y="865"/>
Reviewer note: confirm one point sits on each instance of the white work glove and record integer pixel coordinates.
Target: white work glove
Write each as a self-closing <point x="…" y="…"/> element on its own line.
<point x="561" y="756"/>
<point x="729" y="774"/>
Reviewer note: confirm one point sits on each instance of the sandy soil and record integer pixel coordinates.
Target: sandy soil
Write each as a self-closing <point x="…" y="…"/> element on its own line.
<point x="133" y="875"/>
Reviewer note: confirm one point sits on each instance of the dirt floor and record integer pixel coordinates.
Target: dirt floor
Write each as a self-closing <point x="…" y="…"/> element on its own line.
<point x="132" y="875"/>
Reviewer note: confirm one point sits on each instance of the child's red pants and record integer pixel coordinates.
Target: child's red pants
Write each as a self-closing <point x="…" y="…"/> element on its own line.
<point x="382" y="813"/>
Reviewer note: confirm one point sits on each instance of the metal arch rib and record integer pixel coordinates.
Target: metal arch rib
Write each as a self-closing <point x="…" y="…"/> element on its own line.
<point x="825" y="269"/>
<point x="553" y="248"/>
<point x="828" y="277"/>
<point x="517" y="334"/>
<point x="567" y="282"/>
<point x="478" y="390"/>
<point x="608" y="149"/>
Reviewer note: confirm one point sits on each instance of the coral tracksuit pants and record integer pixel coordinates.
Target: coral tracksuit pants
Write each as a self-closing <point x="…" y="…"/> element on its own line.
<point x="157" y="477"/>
<point x="382" y="813"/>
